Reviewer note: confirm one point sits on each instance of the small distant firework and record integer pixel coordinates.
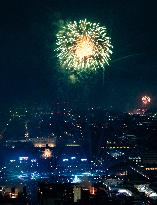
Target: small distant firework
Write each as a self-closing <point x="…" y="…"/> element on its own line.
<point x="83" y="46"/>
<point x="73" y="79"/>
<point x="146" y="100"/>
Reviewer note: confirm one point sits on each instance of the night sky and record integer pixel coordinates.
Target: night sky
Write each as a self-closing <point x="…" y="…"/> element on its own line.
<point x="28" y="67"/>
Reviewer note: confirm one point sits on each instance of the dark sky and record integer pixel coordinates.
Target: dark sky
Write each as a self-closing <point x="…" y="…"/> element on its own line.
<point x="28" y="68"/>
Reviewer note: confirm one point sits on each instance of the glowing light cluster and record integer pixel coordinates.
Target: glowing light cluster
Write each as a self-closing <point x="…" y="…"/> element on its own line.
<point x="47" y="153"/>
<point x="83" y="46"/>
<point x="146" y="100"/>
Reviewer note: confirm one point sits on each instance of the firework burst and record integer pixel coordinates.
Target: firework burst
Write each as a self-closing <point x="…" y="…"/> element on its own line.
<point x="83" y="46"/>
<point x="146" y="100"/>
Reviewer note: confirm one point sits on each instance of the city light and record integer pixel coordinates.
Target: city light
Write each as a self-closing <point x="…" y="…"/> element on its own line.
<point x="47" y="153"/>
<point x="23" y="158"/>
<point x="65" y="160"/>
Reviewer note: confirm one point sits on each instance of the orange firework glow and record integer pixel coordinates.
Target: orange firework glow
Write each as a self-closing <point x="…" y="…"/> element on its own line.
<point x="84" y="48"/>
